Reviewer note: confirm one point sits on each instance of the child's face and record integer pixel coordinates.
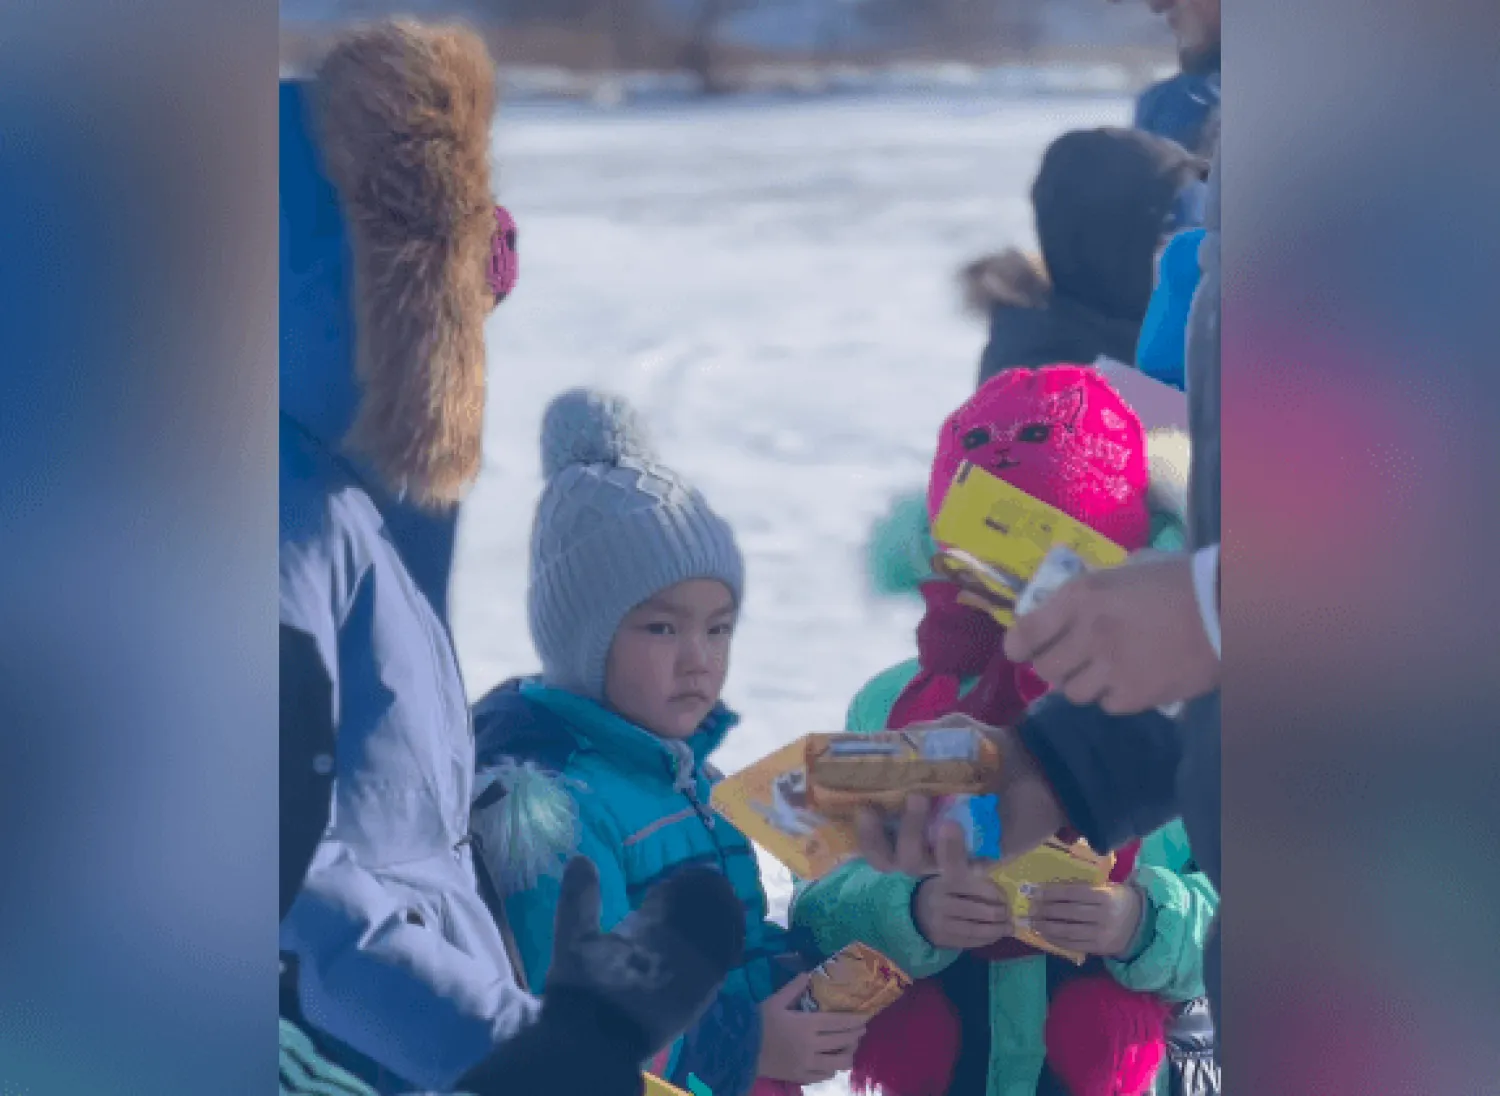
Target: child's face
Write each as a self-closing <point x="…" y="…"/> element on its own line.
<point x="669" y="659"/>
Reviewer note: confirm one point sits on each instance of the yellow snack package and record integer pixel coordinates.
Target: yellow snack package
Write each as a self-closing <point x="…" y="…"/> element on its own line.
<point x="655" y="1086"/>
<point x="1050" y="862"/>
<point x="800" y="803"/>
<point x="768" y="803"/>
<point x="858" y="979"/>
<point x="849" y="771"/>
<point x="992" y="537"/>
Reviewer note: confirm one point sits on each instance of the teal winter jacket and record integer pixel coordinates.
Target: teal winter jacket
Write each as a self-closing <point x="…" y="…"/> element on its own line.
<point x="559" y="776"/>
<point x="856" y="902"/>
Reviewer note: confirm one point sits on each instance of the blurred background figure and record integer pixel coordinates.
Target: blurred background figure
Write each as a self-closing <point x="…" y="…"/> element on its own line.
<point x="1185" y="107"/>
<point x="1105" y="202"/>
<point x="1182" y="107"/>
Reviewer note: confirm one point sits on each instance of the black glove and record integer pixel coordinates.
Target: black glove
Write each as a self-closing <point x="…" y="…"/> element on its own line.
<point x="615" y="999"/>
<point x="663" y="963"/>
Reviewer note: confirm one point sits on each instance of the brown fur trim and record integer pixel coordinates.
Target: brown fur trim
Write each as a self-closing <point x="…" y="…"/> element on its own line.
<point x="1169" y="454"/>
<point x="1011" y="278"/>
<point x="404" y="117"/>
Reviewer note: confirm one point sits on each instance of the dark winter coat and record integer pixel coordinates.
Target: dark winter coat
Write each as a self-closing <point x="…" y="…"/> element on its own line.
<point x="399" y="968"/>
<point x="1201" y="764"/>
<point x="1103" y="201"/>
<point x="1031" y="326"/>
<point x="1185" y="108"/>
<point x="1182" y="107"/>
<point x="1121" y="777"/>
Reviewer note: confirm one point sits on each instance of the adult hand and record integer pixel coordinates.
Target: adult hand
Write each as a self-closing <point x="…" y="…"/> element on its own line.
<point x="805" y="1048"/>
<point x="1127" y="638"/>
<point x="1029" y="811"/>
<point x="1094" y="920"/>
<point x="960" y="907"/>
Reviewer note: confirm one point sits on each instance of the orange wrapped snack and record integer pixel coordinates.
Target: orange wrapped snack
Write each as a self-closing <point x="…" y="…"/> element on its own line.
<point x="848" y="771"/>
<point x="858" y="979"/>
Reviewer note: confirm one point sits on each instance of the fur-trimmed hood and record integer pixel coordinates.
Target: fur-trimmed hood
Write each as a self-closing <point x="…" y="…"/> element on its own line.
<point x="386" y="222"/>
<point x="1032" y="325"/>
<point x="1011" y="278"/>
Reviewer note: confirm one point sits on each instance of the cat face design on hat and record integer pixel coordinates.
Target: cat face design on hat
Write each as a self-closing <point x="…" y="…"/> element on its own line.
<point x="1063" y="435"/>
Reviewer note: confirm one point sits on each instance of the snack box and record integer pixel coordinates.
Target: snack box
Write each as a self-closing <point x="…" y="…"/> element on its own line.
<point x="812" y="829"/>
<point x="767" y="802"/>
<point x="992" y="538"/>
<point x="858" y="979"/>
<point x="849" y="771"/>
<point x="1050" y="862"/>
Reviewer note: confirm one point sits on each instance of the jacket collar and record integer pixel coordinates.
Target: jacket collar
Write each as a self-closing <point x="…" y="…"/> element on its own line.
<point x="615" y="737"/>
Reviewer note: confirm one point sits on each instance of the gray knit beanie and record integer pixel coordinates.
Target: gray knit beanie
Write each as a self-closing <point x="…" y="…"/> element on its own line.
<point x="613" y="528"/>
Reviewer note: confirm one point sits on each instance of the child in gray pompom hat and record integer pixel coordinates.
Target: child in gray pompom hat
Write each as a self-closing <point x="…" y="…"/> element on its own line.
<point x="615" y="529"/>
<point x="635" y="586"/>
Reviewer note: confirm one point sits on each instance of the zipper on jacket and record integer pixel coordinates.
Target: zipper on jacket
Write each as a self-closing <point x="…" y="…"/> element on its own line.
<point x="706" y="816"/>
<point x="689" y="788"/>
<point x="684" y="774"/>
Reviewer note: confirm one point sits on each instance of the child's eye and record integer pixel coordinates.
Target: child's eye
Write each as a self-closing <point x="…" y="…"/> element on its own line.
<point x="721" y="630"/>
<point x="660" y="628"/>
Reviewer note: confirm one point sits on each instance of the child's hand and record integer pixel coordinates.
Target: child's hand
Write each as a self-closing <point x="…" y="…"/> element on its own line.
<point x="1093" y="920"/>
<point x="960" y="907"/>
<point x="805" y="1048"/>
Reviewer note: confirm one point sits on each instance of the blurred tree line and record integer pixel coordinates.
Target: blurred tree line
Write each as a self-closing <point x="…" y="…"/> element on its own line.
<point x="689" y="34"/>
<point x="713" y="39"/>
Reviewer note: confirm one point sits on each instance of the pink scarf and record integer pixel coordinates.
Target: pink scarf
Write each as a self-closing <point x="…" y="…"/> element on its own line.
<point x="956" y="643"/>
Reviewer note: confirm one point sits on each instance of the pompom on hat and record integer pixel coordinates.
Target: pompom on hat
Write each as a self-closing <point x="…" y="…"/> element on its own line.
<point x="613" y="528"/>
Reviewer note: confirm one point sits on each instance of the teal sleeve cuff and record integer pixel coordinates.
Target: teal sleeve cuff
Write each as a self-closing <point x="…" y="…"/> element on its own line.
<point x="1169" y="962"/>
<point x="857" y="903"/>
<point x="1145" y="932"/>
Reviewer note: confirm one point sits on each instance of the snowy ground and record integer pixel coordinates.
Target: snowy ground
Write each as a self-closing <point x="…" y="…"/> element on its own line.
<point x="773" y="286"/>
